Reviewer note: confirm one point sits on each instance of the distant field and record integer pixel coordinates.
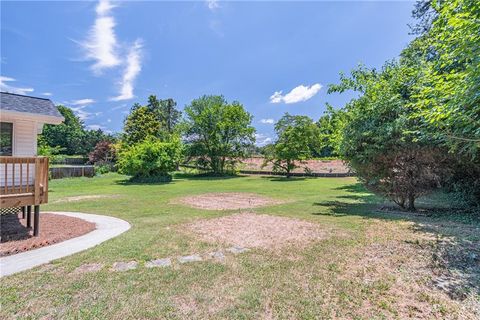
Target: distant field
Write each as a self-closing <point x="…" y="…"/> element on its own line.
<point x="316" y="166"/>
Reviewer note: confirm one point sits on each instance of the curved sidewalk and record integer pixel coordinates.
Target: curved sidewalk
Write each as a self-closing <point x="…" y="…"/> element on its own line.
<point x="106" y="228"/>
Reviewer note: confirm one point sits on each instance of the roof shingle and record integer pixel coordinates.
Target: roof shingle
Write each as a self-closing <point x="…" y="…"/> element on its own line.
<point x="21" y="103"/>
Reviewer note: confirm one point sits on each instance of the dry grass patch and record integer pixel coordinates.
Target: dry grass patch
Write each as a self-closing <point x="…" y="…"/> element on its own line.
<point x="86" y="197"/>
<point x="257" y="231"/>
<point x="227" y="201"/>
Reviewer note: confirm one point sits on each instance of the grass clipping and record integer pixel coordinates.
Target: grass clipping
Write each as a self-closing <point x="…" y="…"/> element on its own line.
<point x="257" y="231"/>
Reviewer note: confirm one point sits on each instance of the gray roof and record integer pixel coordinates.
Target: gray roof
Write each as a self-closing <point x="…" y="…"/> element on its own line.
<point x="21" y="103"/>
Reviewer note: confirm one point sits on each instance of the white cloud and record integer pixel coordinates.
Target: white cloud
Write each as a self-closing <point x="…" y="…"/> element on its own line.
<point x="104" y="7"/>
<point x="262" y="139"/>
<point x="96" y="127"/>
<point x="8" y="88"/>
<point x="267" y="121"/>
<point x="48" y="94"/>
<point x="298" y="94"/>
<point x="122" y="106"/>
<point x="82" y="102"/>
<point x="83" y="114"/>
<point x="212" y="4"/>
<point x="101" y="44"/>
<point x="132" y="69"/>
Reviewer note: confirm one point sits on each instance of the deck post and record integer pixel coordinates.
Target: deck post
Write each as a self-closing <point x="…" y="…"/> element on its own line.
<point x="36" y="221"/>
<point x="24" y="209"/>
<point x="29" y="216"/>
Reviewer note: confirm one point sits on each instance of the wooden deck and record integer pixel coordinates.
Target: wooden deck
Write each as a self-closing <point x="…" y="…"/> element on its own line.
<point x="23" y="181"/>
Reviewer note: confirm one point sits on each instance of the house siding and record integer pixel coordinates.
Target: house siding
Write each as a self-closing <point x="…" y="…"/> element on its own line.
<point x="25" y="138"/>
<point x="24" y="145"/>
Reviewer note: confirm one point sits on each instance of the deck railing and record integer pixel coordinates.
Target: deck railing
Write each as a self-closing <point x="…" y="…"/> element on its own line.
<point x="23" y="181"/>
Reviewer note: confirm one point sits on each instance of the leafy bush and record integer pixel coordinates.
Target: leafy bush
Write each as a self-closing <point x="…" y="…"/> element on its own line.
<point x="150" y="160"/>
<point x="103" y="167"/>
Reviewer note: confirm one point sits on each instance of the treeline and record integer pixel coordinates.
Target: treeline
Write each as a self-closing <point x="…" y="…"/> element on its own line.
<point x="70" y="137"/>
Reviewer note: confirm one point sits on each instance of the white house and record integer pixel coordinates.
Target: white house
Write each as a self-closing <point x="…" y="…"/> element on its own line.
<point x="21" y="120"/>
<point x="23" y="175"/>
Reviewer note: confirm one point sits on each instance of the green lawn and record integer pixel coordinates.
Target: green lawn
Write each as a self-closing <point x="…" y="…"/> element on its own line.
<point x="375" y="265"/>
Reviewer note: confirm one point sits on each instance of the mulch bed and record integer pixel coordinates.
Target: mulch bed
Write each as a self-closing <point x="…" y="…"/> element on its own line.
<point x="16" y="237"/>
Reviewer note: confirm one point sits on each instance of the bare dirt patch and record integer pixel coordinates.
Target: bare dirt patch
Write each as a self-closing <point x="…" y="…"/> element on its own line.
<point x="86" y="197"/>
<point x="54" y="228"/>
<point x="227" y="201"/>
<point x="257" y="231"/>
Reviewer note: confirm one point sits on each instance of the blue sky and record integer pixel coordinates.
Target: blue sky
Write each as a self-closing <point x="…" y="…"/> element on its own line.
<point x="274" y="57"/>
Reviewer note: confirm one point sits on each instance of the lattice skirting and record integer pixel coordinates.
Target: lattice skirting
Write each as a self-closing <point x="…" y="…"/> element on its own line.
<point x="14" y="210"/>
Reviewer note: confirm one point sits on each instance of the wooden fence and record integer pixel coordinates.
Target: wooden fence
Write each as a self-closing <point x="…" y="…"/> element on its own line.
<point x="72" y="171"/>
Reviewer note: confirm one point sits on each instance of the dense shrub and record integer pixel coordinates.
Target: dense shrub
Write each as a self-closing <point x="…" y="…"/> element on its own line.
<point x="150" y="160"/>
<point x="403" y="175"/>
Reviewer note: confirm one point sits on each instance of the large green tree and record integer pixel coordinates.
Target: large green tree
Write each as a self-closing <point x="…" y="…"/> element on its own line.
<point x="449" y="78"/>
<point x="140" y="124"/>
<point x="217" y="132"/>
<point x="298" y="138"/>
<point x="159" y="119"/>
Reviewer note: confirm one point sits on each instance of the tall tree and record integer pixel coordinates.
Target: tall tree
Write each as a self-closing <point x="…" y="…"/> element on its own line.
<point x="166" y="113"/>
<point x="140" y="124"/>
<point x="217" y="132"/>
<point x="298" y="138"/>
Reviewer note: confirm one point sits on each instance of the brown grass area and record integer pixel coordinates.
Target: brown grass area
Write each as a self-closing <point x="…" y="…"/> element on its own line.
<point x="257" y="231"/>
<point x="399" y="262"/>
<point x="227" y="201"/>
<point x="86" y="197"/>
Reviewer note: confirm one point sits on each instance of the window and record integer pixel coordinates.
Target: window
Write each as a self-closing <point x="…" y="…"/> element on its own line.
<point x="6" y="138"/>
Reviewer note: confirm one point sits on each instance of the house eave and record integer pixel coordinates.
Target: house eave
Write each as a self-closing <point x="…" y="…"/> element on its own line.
<point x="31" y="117"/>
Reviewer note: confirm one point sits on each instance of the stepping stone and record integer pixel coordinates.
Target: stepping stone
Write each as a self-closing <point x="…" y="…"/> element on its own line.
<point x="125" y="266"/>
<point x="192" y="258"/>
<point x="159" y="263"/>
<point x="89" y="267"/>
<point x="217" y="255"/>
<point x="236" y="250"/>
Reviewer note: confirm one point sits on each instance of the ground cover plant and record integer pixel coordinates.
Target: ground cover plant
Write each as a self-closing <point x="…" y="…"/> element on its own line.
<point x="362" y="260"/>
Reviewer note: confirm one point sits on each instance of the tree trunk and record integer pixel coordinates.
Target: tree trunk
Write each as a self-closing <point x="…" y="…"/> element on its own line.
<point x="411" y="202"/>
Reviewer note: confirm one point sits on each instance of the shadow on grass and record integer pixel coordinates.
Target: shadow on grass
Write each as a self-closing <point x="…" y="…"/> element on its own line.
<point x="203" y="176"/>
<point x="284" y="179"/>
<point x="455" y="250"/>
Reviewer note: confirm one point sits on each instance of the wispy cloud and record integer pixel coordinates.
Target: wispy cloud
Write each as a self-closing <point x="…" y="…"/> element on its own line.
<point x="12" y="89"/>
<point x="262" y="139"/>
<point x="212" y="4"/>
<point x="96" y="127"/>
<point x="267" y="121"/>
<point x="82" y="102"/>
<point x="84" y="114"/>
<point x="47" y="94"/>
<point x="132" y="69"/>
<point x="101" y="43"/>
<point x="298" y="94"/>
<point x="122" y="106"/>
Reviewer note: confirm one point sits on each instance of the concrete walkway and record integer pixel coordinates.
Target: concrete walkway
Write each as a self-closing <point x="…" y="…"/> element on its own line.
<point x="107" y="228"/>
